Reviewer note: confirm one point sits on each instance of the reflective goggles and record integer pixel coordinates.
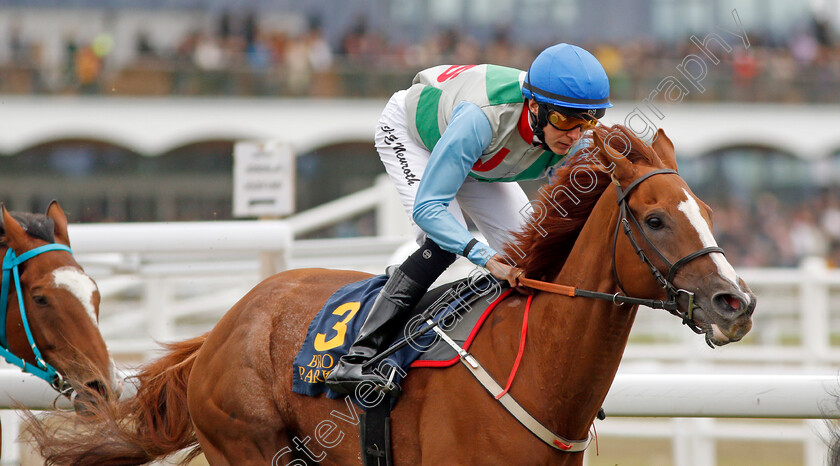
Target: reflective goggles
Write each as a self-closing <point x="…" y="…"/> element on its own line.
<point x="569" y="123"/>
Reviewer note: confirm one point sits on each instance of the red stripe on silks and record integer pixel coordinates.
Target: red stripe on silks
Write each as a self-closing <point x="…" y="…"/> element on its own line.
<point x="470" y="338"/>
<point x="521" y="348"/>
<point x="524" y="125"/>
<point x="563" y="446"/>
<point x="453" y="71"/>
<point x="494" y="162"/>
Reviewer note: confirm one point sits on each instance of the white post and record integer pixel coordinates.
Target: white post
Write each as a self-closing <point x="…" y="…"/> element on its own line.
<point x="693" y="442"/>
<point x="813" y="304"/>
<point x="272" y="262"/>
<point x="391" y="219"/>
<point x="11" y="429"/>
<point x="157" y="300"/>
<point x="703" y="442"/>
<point x="267" y="265"/>
<point x="681" y="442"/>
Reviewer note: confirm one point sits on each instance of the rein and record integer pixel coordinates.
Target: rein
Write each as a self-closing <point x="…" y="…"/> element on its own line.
<point x="576" y="292"/>
<point x="42" y="369"/>
<point x="620" y="298"/>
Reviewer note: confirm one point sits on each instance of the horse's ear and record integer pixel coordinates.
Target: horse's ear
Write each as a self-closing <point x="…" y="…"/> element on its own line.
<point x="665" y="149"/>
<point x="16" y="236"/>
<point x="621" y="168"/>
<point x="55" y="212"/>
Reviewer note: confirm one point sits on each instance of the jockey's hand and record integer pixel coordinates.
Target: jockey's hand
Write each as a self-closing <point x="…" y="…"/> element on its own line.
<point x="501" y="270"/>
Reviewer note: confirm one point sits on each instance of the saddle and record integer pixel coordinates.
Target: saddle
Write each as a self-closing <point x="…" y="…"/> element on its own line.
<point x="457" y="309"/>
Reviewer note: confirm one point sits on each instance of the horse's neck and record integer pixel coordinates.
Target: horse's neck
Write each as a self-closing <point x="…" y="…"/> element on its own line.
<point x="580" y="340"/>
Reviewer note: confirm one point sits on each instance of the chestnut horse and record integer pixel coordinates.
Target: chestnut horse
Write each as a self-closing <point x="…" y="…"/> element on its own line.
<point x="229" y="394"/>
<point x="51" y="308"/>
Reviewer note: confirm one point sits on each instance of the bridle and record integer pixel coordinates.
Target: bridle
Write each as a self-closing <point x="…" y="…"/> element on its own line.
<point x="666" y="282"/>
<point x="42" y="369"/>
<point x="673" y="293"/>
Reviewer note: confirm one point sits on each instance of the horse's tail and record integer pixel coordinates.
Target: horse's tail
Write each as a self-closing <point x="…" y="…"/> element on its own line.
<point x="151" y="424"/>
<point x="834" y="447"/>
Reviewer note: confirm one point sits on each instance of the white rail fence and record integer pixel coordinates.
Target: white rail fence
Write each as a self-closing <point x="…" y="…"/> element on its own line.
<point x="165" y="282"/>
<point x="691" y="399"/>
<point x="756" y="396"/>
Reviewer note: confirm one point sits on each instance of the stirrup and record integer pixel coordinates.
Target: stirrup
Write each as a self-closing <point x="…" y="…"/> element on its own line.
<point x="388" y="387"/>
<point x="381" y="384"/>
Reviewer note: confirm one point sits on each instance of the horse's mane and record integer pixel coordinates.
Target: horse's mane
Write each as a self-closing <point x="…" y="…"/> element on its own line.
<point x="36" y="225"/>
<point x="547" y="243"/>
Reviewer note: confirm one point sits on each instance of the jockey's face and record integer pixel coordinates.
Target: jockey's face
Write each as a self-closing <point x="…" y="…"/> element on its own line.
<point x="558" y="141"/>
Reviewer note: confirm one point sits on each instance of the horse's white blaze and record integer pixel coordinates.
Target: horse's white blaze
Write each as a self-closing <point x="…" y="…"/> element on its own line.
<point x="80" y="285"/>
<point x="692" y="210"/>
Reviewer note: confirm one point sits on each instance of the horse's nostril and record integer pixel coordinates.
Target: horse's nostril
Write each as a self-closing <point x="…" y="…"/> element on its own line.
<point x="88" y="397"/>
<point x="97" y="387"/>
<point x="733" y="302"/>
<point x="728" y="302"/>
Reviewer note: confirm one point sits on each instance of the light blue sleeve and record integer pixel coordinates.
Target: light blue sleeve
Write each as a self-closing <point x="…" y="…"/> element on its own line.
<point x="459" y="147"/>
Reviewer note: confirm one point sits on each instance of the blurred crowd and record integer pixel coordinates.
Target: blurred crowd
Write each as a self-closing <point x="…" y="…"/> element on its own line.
<point x="239" y="58"/>
<point x="771" y="233"/>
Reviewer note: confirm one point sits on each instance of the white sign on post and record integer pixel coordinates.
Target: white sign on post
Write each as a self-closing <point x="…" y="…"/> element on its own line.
<point x="263" y="179"/>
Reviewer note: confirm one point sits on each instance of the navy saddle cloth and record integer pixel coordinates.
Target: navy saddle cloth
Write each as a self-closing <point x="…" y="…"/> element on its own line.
<point x="459" y="306"/>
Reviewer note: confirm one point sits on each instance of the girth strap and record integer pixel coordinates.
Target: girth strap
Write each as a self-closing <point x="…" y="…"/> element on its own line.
<point x="514" y="408"/>
<point x="524" y="417"/>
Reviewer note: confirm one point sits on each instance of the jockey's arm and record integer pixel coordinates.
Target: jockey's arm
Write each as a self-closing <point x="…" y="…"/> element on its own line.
<point x="452" y="158"/>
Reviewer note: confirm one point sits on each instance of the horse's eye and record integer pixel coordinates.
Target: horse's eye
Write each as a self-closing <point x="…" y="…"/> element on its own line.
<point x="654" y="222"/>
<point x="40" y="300"/>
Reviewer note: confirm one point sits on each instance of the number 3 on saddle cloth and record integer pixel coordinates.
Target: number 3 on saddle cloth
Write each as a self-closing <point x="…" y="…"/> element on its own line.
<point x="459" y="307"/>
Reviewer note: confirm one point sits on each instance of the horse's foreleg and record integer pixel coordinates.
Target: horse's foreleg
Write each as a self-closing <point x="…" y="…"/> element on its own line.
<point x="230" y="452"/>
<point x="235" y="421"/>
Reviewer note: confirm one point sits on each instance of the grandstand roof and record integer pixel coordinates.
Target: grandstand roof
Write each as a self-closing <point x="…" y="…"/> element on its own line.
<point x="158" y="125"/>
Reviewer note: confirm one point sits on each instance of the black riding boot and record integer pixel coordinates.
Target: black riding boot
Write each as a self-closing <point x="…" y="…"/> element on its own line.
<point x="387" y="317"/>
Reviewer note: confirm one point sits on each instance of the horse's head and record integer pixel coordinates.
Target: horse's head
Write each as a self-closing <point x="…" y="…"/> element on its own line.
<point x="673" y="230"/>
<point x="61" y="305"/>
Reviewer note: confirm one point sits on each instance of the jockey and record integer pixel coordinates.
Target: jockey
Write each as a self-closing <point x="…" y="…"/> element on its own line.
<point x="456" y="140"/>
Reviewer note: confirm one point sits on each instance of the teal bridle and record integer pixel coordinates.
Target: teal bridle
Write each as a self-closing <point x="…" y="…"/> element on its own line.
<point x="41" y="369"/>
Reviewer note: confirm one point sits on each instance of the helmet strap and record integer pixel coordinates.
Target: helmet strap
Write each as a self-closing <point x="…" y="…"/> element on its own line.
<point x="538" y="123"/>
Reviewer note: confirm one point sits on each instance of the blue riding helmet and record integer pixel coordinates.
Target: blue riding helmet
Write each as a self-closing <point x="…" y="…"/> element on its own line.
<point x="568" y="79"/>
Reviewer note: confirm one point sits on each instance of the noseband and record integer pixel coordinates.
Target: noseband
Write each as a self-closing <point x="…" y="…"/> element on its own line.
<point x="42" y="369"/>
<point x="666" y="282"/>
